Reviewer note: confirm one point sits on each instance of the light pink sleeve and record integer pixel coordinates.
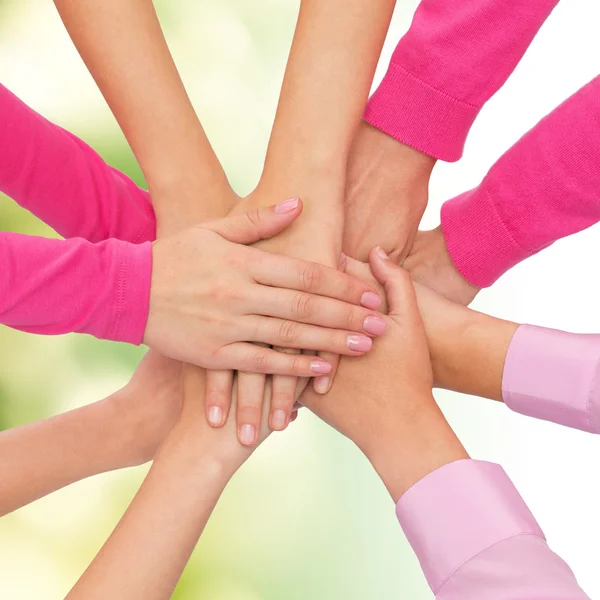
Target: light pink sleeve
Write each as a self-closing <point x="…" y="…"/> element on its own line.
<point x="52" y="286"/>
<point x="61" y="180"/>
<point x="555" y="376"/>
<point x="452" y="60"/>
<point x="476" y="539"/>
<point x="547" y="186"/>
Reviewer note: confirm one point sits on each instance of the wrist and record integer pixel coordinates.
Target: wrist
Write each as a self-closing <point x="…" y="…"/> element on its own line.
<point x="417" y="447"/>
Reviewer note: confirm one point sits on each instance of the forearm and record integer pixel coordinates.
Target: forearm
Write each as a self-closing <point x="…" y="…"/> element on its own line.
<point x="332" y="61"/>
<point x="124" y="48"/>
<point x="177" y="498"/>
<point x="40" y="458"/>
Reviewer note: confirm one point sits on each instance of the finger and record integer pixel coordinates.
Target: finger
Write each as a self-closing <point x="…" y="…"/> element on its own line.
<point x="219" y="386"/>
<point x="251" y="391"/>
<point x="256" y="224"/>
<point x="294" y="274"/>
<point x="323" y="384"/>
<point x="291" y="334"/>
<point x="256" y="359"/>
<point x="283" y="397"/>
<point x="398" y="284"/>
<point x="315" y="310"/>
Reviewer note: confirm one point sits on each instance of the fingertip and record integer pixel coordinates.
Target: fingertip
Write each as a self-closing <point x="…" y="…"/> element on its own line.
<point x="321" y="385"/>
<point x="215" y="416"/>
<point x="289" y="206"/>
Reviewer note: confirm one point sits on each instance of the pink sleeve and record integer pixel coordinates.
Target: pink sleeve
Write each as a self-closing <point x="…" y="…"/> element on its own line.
<point x="475" y="538"/>
<point x="555" y="376"/>
<point x="60" y="286"/>
<point x="61" y="180"/>
<point x="452" y="60"/>
<point x="547" y="186"/>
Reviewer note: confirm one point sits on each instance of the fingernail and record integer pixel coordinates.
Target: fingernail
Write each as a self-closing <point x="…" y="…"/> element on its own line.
<point x="374" y="325"/>
<point x="247" y="434"/>
<point x="215" y="416"/>
<point x="279" y="419"/>
<point x="381" y="252"/>
<point x="370" y="300"/>
<point x="319" y="366"/>
<point x="322" y="385"/>
<point x="287" y="206"/>
<point x="342" y="258"/>
<point x="359" y="343"/>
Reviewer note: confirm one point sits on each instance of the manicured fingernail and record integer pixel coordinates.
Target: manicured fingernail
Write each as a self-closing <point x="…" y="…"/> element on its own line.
<point x="247" y="434"/>
<point x="342" y="258"/>
<point x="381" y="252"/>
<point x="287" y="206"/>
<point x="319" y="366"/>
<point x="322" y="385"/>
<point x="215" y="416"/>
<point x="370" y="300"/>
<point x="359" y="343"/>
<point x="279" y="419"/>
<point x="374" y="325"/>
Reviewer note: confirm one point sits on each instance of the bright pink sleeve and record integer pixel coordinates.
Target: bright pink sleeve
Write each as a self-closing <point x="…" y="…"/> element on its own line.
<point x="62" y="181"/>
<point x="476" y="539"/>
<point x="555" y="376"/>
<point x="547" y="186"/>
<point x="52" y="286"/>
<point x="452" y="60"/>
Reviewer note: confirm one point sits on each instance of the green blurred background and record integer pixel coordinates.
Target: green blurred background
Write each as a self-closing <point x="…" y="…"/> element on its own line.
<point x="306" y="517"/>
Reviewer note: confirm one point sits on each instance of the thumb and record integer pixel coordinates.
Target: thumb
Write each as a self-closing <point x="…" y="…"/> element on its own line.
<point x="398" y="284"/>
<point x="257" y="224"/>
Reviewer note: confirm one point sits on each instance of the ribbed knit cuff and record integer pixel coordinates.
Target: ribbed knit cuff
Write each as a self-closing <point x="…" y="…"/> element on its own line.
<point x="132" y="298"/>
<point x="478" y="242"/>
<point x="420" y="116"/>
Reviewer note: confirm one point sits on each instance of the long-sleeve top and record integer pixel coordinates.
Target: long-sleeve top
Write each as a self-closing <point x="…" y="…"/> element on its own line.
<point x="554" y="376"/>
<point x="95" y="285"/>
<point x="476" y="539"/>
<point x="455" y="56"/>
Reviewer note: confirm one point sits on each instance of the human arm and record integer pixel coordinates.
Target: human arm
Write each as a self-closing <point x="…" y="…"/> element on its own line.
<point x="470" y="529"/>
<point x="124" y="48"/>
<point x="329" y="72"/>
<point x="542" y="189"/>
<point x="177" y="497"/>
<point x="450" y="62"/>
<point x="123" y="430"/>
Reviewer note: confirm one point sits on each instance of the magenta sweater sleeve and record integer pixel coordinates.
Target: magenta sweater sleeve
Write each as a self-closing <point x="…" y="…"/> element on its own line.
<point x="52" y="286"/>
<point x="454" y="57"/>
<point x="61" y="180"/>
<point x="476" y="539"/>
<point x="547" y="186"/>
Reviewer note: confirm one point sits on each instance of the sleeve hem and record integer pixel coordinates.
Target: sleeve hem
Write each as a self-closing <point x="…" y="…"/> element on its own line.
<point x="420" y="116"/>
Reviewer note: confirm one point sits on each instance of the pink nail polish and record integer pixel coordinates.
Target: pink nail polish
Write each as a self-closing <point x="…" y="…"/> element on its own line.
<point x="381" y="252"/>
<point x="215" y="416"/>
<point x="342" y="258"/>
<point x="359" y="343"/>
<point x="374" y="325"/>
<point x="321" y="385"/>
<point x="321" y="367"/>
<point x="247" y="434"/>
<point x="370" y="300"/>
<point x="287" y="206"/>
<point x="279" y="419"/>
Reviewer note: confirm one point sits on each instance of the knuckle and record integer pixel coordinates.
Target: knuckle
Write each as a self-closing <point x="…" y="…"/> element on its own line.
<point x="351" y="318"/>
<point x="311" y="276"/>
<point x="254" y="220"/>
<point x="302" y="305"/>
<point x="288" y="332"/>
<point x="333" y="340"/>
<point x="297" y="366"/>
<point x="282" y="399"/>
<point x="261" y="362"/>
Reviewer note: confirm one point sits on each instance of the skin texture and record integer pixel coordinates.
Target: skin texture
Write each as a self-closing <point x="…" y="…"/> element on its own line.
<point x="386" y="194"/>
<point x="184" y="484"/>
<point x="324" y="92"/>
<point x="207" y="286"/>
<point x="383" y="401"/>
